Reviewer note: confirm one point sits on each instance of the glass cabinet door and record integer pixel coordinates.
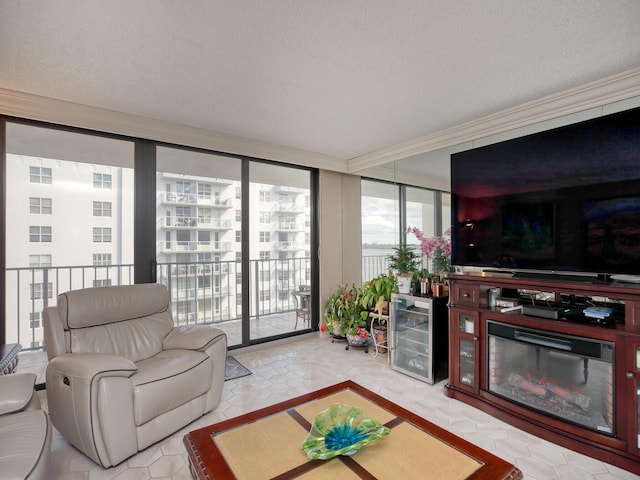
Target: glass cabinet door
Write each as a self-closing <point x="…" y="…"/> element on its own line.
<point x="467" y="371"/>
<point x="637" y="395"/>
<point x="633" y="376"/>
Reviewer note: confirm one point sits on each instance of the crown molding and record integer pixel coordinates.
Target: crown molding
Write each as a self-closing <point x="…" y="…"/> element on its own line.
<point x="595" y="94"/>
<point x="611" y="89"/>
<point x="45" y="109"/>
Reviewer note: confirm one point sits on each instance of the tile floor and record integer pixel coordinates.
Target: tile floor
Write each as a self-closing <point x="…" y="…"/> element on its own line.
<point x="286" y="369"/>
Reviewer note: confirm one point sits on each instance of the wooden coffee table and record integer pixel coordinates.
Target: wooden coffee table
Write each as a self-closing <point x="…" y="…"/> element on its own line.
<point x="266" y="444"/>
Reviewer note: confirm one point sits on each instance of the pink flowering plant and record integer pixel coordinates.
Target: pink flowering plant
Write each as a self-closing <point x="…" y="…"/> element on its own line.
<point x="435" y="249"/>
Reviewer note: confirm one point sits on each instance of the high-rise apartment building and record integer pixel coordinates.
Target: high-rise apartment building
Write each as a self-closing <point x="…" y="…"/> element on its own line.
<point x="69" y="225"/>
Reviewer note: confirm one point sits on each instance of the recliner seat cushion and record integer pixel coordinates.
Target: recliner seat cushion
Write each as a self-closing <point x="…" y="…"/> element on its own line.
<point x="168" y="380"/>
<point x="24" y="442"/>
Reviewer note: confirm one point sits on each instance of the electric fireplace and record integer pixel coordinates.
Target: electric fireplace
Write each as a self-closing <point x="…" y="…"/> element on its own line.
<point x="564" y="376"/>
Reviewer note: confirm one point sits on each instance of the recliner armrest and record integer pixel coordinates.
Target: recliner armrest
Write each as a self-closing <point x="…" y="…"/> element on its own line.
<point x="16" y="391"/>
<point x="88" y="365"/>
<point x="192" y="337"/>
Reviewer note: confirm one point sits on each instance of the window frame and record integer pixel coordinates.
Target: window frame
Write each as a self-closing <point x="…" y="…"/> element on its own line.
<point x="102" y="181"/>
<point x="40" y="206"/>
<point x="43" y="234"/>
<point x="40" y="175"/>
<point x="99" y="209"/>
<point x="102" y="235"/>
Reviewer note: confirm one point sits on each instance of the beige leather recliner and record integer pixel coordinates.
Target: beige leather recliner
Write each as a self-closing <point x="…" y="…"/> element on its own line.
<point x="121" y="376"/>
<point x="25" y="429"/>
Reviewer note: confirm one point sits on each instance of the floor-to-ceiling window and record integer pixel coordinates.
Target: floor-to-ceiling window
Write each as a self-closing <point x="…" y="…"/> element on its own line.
<point x="388" y="209"/>
<point x="380" y="206"/>
<point x="82" y="208"/>
<point x="69" y="221"/>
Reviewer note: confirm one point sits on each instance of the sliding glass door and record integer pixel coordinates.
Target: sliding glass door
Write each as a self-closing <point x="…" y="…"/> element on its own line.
<point x="279" y="249"/>
<point x="199" y="249"/>
<point x="233" y="250"/>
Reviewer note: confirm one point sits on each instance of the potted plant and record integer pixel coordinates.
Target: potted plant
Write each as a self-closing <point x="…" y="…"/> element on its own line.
<point x="358" y="322"/>
<point x="358" y="330"/>
<point x="422" y="279"/>
<point x="339" y="309"/>
<point x="375" y="294"/>
<point x="404" y="262"/>
<point x="344" y="319"/>
<point x="436" y="249"/>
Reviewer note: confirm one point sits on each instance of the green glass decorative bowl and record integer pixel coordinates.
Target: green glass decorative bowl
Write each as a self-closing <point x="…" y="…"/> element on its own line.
<point x="341" y="430"/>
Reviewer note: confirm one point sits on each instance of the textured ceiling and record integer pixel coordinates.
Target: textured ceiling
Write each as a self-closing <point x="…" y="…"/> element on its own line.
<point x="343" y="78"/>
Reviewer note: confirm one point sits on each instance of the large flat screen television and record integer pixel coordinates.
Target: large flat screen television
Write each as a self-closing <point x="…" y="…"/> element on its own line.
<point x="565" y="200"/>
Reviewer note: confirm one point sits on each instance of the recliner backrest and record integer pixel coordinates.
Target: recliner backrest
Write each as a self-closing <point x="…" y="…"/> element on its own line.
<point x="129" y="320"/>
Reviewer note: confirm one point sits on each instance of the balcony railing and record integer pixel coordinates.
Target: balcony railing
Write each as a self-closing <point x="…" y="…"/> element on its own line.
<point x="208" y="180"/>
<point x="289" y="189"/>
<point x="289" y="227"/>
<point x="374" y="265"/>
<point x="194" y="199"/>
<point x="294" y="246"/>
<point x="182" y="222"/>
<point x="200" y="292"/>
<point x="285" y="207"/>
<point x="29" y="290"/>
<point x="177" y="246"/>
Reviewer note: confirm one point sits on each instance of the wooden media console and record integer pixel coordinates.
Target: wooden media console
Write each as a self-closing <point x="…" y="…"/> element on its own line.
<point x="569" y="377"/>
